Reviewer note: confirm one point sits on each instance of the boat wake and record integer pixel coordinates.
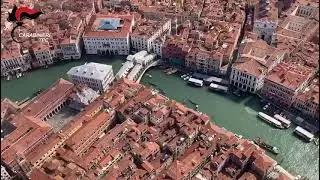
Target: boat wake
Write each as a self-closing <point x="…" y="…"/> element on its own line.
<point x="251" y="111"/>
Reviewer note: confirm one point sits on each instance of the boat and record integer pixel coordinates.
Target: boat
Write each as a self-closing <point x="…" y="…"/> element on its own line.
<point x="152" y="84"/>
<point x="183" y="76"/>
<point x="266" y="146"/>
<point x="186" y="78"/>
<point x="197" y="107"/>
<point x="18" y="75"/>
<point x="37" y="92"/>
<point x="167" y="70"/>
<point x="195" y="82"/>
<point x="285" y="122"/>
<point x="8" y="78"/>
<point x="304" y="134"/>
<point x="171" y="71"/>
<point x="192" y="102"/>
<point x="270" y="120"/>
<point x="316" y="141"/>
<point x="238" y="136"/>
<point x="149" y="75"/>
<point x="217" y="87"/>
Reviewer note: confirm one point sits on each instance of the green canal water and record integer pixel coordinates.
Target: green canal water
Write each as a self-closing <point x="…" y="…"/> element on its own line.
<point x="238" y="115"/>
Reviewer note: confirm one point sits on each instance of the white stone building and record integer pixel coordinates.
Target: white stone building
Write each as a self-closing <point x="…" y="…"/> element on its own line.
<point x="4" y="174"/>
<point x="157" y="45"/>
<point x="94" y="75"/>
<point x="108" y="34"/>
<point x="266" y="20"/>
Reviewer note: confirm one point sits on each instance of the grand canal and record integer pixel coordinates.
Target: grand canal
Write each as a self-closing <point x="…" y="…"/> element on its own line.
<point x="235" y="114"/>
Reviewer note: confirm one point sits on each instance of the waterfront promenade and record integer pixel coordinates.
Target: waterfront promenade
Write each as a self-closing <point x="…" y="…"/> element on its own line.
<point x="235" y="114"/>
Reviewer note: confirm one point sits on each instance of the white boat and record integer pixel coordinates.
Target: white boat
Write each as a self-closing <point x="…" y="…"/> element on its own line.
<point x="195" y="82"/>
<point x="216" y="87"/>
<point x="149" y="75"/>
<point x="183" y="76"/>
<point x="304" y="133"/>
<point x="186" y="78"/>
<point x="285" y="122"/>
<point x="270" y="120"/>
<point x="8" y="78"/>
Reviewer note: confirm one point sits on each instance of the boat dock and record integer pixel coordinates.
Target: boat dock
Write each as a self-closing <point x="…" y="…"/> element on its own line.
<point x="217" y="87"/>
<point x="195" y="82"/>
<point x="270" y="120"/>
<point x="210" y="79"/>
<point x="216" y="80"/>
<point x="304" y="133"/>
<point x="285" y="122"/>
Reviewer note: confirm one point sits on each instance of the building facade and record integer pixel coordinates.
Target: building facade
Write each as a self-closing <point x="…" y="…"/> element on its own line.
<point x="283" y="83"/>
<point x="146" y="33"/>
<point x="108" y="34"/>
<point x="204" y="62"/>
<point x="256" y="59"/>
<point x="14" y="63"/>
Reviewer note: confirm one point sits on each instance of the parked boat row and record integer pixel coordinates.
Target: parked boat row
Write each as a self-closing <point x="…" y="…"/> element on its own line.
<point x="18" y="75"/>
<point x="270" y="120"/>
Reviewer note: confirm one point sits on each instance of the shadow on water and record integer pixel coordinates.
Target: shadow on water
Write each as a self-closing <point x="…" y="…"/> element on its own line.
<point x="227" y="95"/>
<point x="253" y="103"/>
<point x="301" y="138"/>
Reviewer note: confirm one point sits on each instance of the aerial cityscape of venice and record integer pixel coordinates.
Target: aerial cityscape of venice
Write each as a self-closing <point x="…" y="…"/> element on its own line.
<point x="160" y="89"/>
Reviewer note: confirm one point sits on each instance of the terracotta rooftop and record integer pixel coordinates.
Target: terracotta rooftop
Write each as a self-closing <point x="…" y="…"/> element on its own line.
<point x="289" y="75"/>
<point x="90" y="126"/>
<point x="250" y="66"/>
<point x="42" y="104"/>
<point x="92" y="31"/>
<point x="147" y="28"/>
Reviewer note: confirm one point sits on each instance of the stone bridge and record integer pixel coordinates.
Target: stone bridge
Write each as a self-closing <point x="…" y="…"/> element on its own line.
<point x="154" y="63"/>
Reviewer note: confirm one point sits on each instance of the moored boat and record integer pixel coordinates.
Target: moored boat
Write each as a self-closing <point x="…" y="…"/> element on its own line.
<point x="304" y="133"/>
<point x="195" y="82"/>
<point x="285" y="122"/>
<point x="258" y="141"/>
<point x="270" y="120"/>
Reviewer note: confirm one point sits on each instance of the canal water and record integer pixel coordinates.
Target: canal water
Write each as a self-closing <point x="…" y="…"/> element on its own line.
<point x="238" y="115"/>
